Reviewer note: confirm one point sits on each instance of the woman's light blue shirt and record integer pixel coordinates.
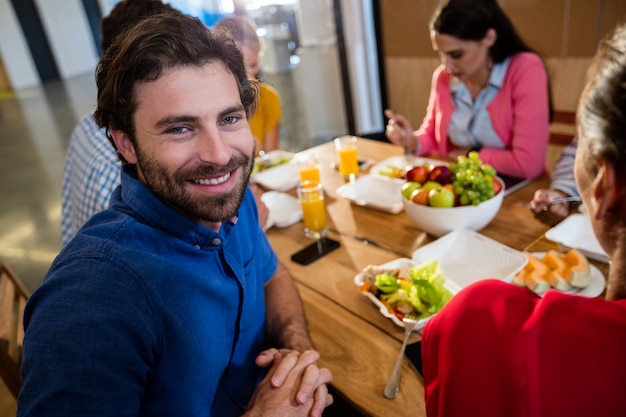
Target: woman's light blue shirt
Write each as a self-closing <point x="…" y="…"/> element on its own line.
<point x="470" y="126"/>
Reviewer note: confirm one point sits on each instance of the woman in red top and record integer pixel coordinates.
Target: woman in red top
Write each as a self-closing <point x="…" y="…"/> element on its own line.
<point x="500" y="350"/>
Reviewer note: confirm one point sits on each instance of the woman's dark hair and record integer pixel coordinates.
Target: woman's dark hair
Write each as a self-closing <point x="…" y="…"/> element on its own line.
<point x="602" y="107"/>
<point x="471" y="19"/>
<point x="156" y="44"/>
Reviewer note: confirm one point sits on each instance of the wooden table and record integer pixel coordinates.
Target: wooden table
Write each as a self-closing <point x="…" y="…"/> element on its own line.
<point x="358" y="343"/>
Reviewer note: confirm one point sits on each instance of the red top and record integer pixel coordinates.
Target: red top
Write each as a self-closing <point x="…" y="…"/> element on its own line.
<point x="500" y="350"/>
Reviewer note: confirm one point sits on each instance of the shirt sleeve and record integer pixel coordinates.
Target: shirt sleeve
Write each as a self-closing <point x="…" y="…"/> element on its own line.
<point x="562" y="177"/>
<point x="96" y="363"/>
<point x="436" y="114"/>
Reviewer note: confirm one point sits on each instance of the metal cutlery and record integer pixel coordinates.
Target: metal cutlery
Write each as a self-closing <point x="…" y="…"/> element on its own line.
<point x="531" y="205"/>
<point x="409" y="156"/>
<point x="393" y="383"/>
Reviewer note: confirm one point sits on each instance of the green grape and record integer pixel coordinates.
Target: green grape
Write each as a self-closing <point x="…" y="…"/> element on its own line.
<point x="472" y="180"/>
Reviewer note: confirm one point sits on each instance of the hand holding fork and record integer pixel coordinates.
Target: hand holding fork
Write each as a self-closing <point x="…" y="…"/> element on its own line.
<point x="551" y="206"/>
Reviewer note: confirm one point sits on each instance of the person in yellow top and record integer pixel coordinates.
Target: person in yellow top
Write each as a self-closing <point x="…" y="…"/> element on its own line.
<point x="265" y="122"/>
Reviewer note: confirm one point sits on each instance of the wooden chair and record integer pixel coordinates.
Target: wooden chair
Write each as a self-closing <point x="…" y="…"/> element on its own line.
<point x="562" y="132"/>
<point x="563" y="127"/>
<point x="13" y="297"/>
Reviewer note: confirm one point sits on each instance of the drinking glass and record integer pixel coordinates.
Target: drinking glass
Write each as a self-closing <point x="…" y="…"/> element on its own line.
<point x="309" y="168"/>
<point x="311" y="196"/>
<point x="347" y="156"/>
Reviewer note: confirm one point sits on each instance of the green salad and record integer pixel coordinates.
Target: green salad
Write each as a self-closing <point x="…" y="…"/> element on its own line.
<point x="420" y="294"/>
<point x="260" y="165"/>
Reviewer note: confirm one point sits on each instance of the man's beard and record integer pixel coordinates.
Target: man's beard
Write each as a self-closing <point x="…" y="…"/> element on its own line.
<point x="173" y="189"/>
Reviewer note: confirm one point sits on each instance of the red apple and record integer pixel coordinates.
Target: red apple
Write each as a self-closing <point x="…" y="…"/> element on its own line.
<point x="420" y="196"/>
<point x="497" y="186"/>
<point x="440" y="174"/>
<point x="417" y="174"/>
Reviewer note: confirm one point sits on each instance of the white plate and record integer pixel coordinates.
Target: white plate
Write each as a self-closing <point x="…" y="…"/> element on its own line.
<point x="375" y="192"/>
<point x="284" y="210"/>
<point x="595" y="287"/>
<point x="403" y="264"/>
<point x="282" y="177"/>
<point x="467" y="256"/>
<point x="401" y="162"/>
<point x="576" y="232"/>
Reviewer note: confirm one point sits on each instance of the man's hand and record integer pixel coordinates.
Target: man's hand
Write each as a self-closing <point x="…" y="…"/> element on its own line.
<point x="294" y="385"/>
<point x="547" y="213"/>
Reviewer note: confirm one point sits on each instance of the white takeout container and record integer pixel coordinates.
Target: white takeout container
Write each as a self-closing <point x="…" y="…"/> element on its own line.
<point x="401" y="162"/>
<point x="284" y="209"/>
<point x="283" y="177"/>
<point x="375" y="192"/>
<point x="465" y="257"/>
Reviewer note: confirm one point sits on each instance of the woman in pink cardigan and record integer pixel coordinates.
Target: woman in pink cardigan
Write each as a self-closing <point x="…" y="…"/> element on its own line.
<point x="490" y="93"/>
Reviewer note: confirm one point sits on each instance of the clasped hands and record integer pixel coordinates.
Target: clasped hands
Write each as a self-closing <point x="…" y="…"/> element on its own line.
<point x="294" y="385"/>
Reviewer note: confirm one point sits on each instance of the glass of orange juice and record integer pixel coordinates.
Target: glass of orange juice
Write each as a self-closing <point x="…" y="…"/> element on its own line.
<point x="311" y="196"/>
<point x="310" y="169"/>
<point x="346" y="153"/>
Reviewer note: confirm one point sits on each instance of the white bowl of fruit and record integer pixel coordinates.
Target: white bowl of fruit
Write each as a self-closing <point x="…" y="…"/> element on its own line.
<point x="463" y="195"/>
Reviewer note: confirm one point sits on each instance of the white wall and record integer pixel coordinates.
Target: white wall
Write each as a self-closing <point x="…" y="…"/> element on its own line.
<point x="69" y="36"/>
<point x="16" y="58"/>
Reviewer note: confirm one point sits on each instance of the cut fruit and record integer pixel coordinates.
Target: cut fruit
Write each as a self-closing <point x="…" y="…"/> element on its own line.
<point x="561" y="272"/>
<point x="535" y="282"/>
<point x="579" y="268"/>
<point x="558" y="281"/>
<point x="559" y="275"/>
<point x="533" y="275"/>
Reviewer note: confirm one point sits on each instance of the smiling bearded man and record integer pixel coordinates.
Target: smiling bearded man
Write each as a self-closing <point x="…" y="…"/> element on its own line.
<point x="172" y="301"/>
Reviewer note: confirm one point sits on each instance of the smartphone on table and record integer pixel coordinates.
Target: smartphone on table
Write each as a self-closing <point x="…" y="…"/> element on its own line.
<point x="314" y="251"/>
<point x="414" y="353"/>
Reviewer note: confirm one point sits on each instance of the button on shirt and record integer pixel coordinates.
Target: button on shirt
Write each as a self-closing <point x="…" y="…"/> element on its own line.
<point x="146" y="313"/>
<point x="470" y="126"/>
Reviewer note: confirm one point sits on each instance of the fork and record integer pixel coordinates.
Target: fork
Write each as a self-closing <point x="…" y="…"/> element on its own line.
<point x="393" y="383"/>
<point x="531" y="205"/>
<point x="408" y="155"/>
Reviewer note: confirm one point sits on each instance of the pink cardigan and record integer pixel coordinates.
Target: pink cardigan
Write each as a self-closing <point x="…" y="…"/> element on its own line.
<point x="519" y="115"/>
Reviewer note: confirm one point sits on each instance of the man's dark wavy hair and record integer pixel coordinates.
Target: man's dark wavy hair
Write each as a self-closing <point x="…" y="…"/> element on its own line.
<point x="156" y="44"/>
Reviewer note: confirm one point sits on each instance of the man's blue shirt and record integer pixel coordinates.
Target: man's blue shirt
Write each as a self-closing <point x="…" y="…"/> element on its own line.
<point x="148" y="313"/>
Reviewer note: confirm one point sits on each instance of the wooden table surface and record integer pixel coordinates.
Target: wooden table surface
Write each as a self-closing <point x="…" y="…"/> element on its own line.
<point x="356" y="341"/>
